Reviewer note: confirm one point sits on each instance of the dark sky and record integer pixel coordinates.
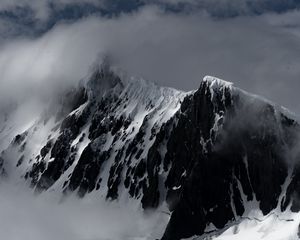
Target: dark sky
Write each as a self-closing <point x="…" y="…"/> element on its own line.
<point x="252" y="43"/>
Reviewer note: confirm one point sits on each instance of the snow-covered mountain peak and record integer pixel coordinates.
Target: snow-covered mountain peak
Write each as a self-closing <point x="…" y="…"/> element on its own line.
<point x="127" y="138"/>
<point x="106" y="81"/>
<point x="217" y="83"/>
<point x="102" y="79"/>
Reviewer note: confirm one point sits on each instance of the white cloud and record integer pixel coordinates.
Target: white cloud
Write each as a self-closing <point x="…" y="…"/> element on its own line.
<point x="45" y="217"/>
<point x="256" y="53"/>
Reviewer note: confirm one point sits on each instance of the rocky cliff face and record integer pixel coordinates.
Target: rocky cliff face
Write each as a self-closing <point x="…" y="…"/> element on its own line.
<point x="211" y="154"/>
<point x="228" y="149"/>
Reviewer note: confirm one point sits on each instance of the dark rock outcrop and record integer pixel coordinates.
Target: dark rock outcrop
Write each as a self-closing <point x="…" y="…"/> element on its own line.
<point x="215" y="168"/>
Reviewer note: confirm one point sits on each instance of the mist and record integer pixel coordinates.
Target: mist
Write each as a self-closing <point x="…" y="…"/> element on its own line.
<point x="30" y="217"/>
<point x="258" y="54"/>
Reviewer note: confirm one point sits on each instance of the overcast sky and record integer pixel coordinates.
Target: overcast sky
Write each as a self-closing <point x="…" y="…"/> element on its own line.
<point x="254" y="44"/>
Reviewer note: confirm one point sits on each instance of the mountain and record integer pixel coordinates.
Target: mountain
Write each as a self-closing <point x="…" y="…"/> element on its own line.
<point x="212" y="155"/>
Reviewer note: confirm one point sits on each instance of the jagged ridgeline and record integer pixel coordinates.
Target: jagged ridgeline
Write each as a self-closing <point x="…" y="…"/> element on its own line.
<point x="209" y="154"/>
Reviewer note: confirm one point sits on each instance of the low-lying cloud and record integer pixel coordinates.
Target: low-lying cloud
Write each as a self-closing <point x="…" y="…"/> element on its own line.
<point x="28" y="217"/>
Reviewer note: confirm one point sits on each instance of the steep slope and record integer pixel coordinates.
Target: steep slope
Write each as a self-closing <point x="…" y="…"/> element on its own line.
<point x="211" y="154"/>
<point x="99" y="134"/>
<point x="236" y="156"/>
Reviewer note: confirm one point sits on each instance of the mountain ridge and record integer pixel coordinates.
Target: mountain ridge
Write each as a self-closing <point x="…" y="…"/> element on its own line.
<point x="207" y="153"/>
